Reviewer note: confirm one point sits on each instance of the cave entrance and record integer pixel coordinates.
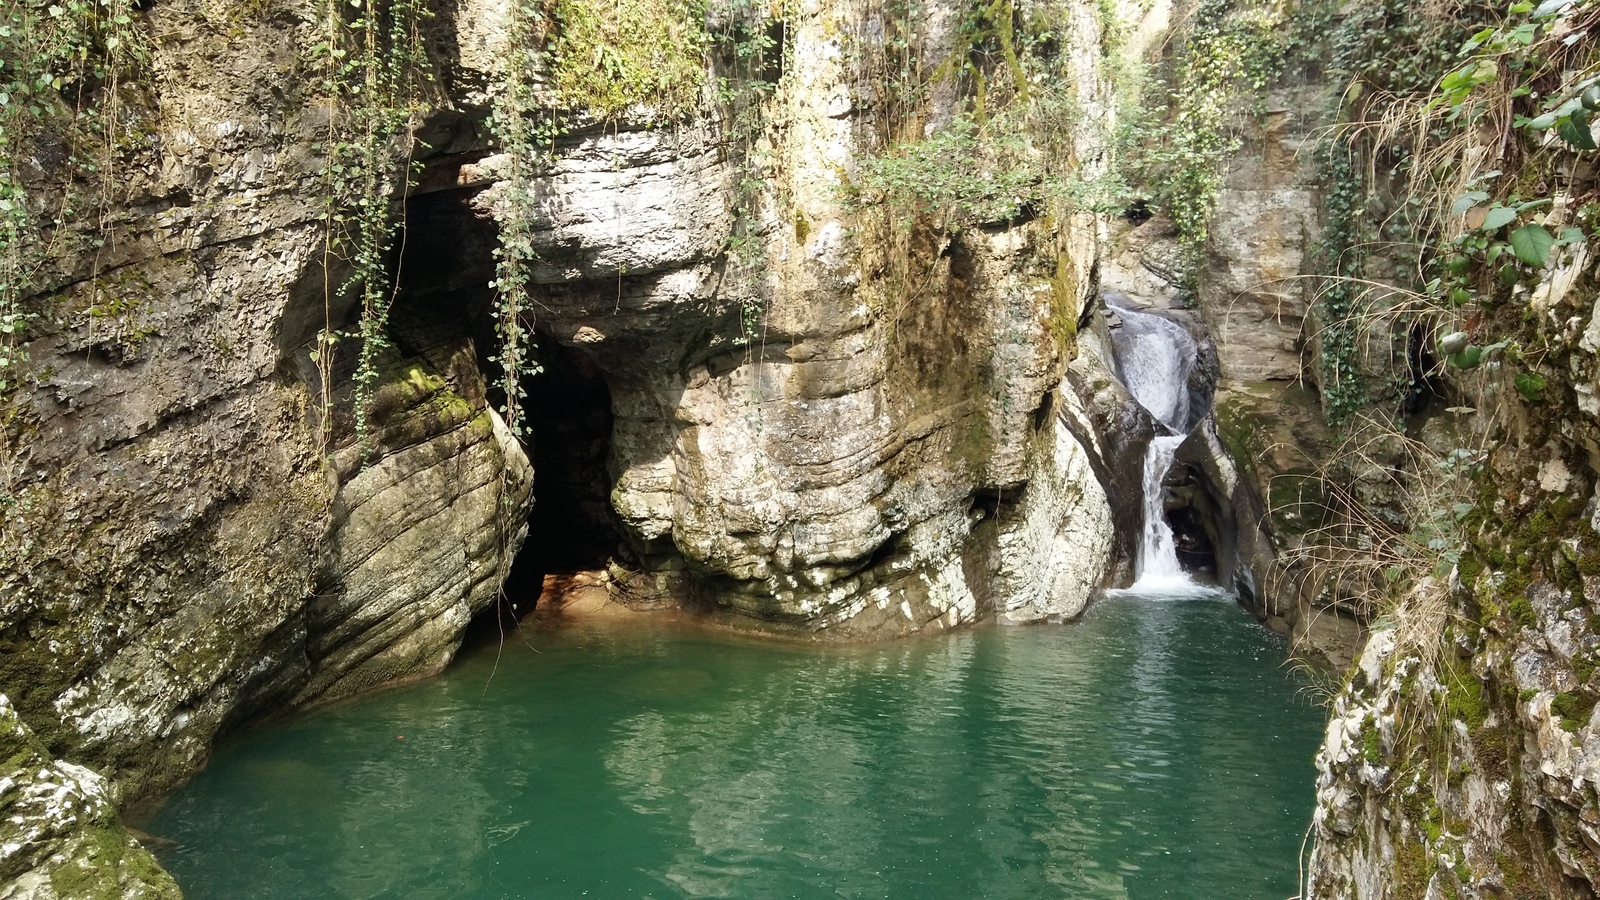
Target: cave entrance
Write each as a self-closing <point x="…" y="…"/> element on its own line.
<point x="571" y="530"/>
<point x="445" y="268"/>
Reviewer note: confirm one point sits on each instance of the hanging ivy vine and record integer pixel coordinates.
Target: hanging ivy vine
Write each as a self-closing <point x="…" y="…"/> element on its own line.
<point x="1231" y="51"/>
<point x="516" y="120"/>
<point x="62" y="64"/>
<point x="375" y="69"/>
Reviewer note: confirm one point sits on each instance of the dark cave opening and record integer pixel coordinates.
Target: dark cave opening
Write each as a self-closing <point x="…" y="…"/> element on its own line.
<point x="571" y="528"/>
<point x="445" y="268"/>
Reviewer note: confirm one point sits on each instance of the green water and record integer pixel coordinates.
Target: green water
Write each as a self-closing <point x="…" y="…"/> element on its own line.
<point x="1155" y="749"/>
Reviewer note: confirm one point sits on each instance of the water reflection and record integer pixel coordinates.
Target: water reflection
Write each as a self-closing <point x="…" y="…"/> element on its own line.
<point x="1152" y="750"/>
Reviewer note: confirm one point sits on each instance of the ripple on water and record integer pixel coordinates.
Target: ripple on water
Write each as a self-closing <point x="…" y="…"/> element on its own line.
<point x="1155" y="749"/>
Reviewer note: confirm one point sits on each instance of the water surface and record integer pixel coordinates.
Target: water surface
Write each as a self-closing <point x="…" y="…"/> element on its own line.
<point x="1154" y="749"/>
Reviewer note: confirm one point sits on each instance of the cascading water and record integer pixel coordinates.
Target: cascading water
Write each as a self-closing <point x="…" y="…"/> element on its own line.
<point x="1155" y="356"/>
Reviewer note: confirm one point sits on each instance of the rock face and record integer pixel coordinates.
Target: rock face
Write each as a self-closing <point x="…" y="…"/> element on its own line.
<point x="1460" y="756"/>
<point x="1272" y="463"/>
<point x="192" y="538"/>
<point x="1254" y="292"/>
<point x="860" y="463"/>
<point x="59" y="832"/>
<point x="199" y="532"/>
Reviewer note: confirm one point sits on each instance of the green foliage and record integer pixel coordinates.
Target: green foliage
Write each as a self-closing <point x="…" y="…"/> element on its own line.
<point x="374" y="69"/>
<point x="609" y="57"/>
<point x="1233" y="49"/>
<point x="952" y="175"/>
<point x="1387" y="51"/>
<point x="1342" y="255"/>
<point x="60" y="62"/>
<point x="516" y="122"/>
<point x="748" y="63"/>
<point x="1012" y="153"/>
<point x="1390" y="49"/>
<point x="1413" y="104"/>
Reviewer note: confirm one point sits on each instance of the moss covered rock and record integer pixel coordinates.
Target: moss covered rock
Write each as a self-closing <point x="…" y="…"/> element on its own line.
<point x="59" y="832"/>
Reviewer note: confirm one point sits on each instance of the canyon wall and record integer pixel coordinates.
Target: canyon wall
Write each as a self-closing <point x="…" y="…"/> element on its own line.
<point x="1450" y="510"/>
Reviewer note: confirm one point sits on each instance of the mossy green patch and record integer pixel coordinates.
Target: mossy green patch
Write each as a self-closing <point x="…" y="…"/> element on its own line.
<point x="1464" y="698"/>
<point x="1521" y="611"/>
<point x="1574" y="708"/>
<point x="612" y="56"/>
<point x="1064" y="308"/>
<point x="1411" y="871"/>
<point x="105" y="864"/>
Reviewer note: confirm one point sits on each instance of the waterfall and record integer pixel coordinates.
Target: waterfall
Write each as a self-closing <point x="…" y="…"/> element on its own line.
<point x="1155" y="356"/>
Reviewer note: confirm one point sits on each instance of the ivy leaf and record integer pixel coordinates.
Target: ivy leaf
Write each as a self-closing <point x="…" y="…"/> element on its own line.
<point x="1550" y="8"/>
<point x="1531" y="244"/>
<point x="1467" y="201"/>
<point x="1575" y="130"/>
<point x="1531" y="386"/>
<point x="1476" y="41"/>
<point x="1498" y="218"/>
<point x="1468" y="358"/>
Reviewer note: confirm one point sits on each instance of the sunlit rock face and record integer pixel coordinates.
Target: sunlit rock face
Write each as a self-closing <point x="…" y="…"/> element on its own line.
<point x="59" y="832"/>
<point x="795" y="442"/>
<point x="192" y="538"/>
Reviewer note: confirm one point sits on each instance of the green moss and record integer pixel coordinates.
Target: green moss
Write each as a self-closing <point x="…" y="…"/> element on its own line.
<point x="1521" y="611"/>
<point x="1433" y="825"/>
<point x="1372" y="746"/>
<point x="105" y="864"/>
<point x="1298" y="501"/>
<point x="1241" y="429"/>
<point x="1464" y="698"/>
<point x="1566" y="575"/>
<point x="611" y="56"/>
<point x="1064" y="308"/>
<point x="1584" y="668"/>
<point x="1573" y="708"/>
<point x="1411" y="871"/>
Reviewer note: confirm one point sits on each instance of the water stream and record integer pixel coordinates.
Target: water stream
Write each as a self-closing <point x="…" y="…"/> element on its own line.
<point x="1157" y="748"/>
<point x="1155" y="357"/>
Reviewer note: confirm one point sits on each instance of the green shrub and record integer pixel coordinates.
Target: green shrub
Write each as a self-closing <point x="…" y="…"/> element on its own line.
<point x="613" y="56"/>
